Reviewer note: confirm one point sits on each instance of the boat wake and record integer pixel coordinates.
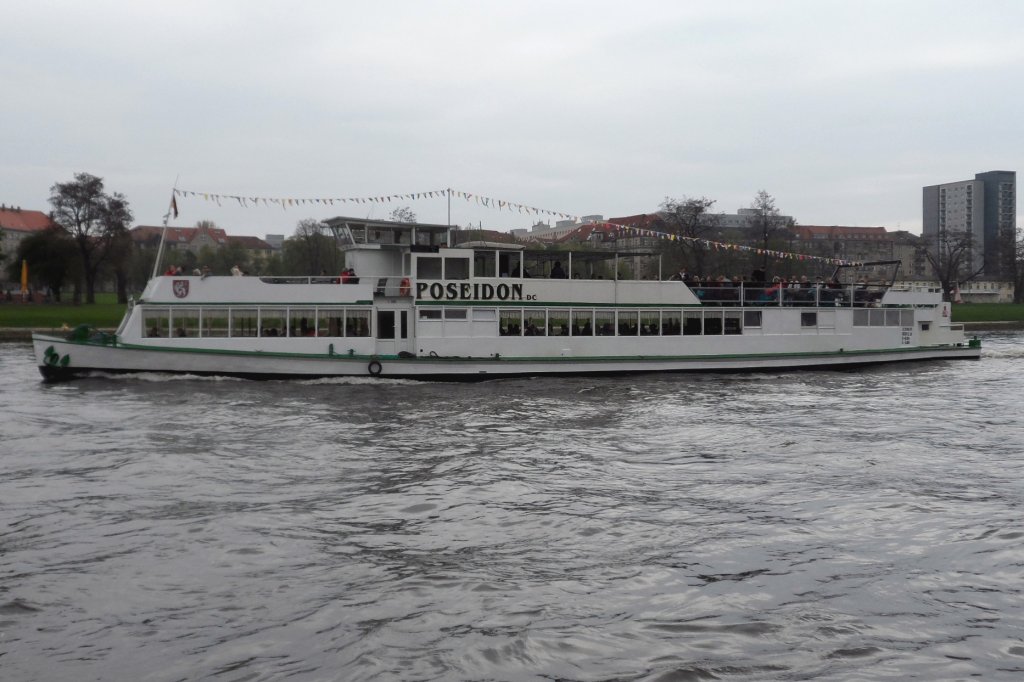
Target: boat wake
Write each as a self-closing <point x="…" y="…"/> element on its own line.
<point x="159" y="377"/>
<point x="1002" y="352"/>
<point x="358" y="381"/>
<point x="166" y="377"/>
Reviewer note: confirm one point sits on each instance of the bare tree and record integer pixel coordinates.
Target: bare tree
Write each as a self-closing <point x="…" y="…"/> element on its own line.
<point x="767" y="221"/>
<point x="403" y="214"/>
<point x="1018" y="272"/>
<point x="952" y="261"/>
<point x="691" y="219"/>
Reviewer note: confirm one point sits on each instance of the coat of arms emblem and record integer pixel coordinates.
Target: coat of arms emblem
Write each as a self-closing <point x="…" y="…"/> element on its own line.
<point x="180" y="287"/>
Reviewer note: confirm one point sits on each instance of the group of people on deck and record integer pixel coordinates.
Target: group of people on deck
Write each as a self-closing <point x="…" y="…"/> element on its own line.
<point x="757" y="288"/>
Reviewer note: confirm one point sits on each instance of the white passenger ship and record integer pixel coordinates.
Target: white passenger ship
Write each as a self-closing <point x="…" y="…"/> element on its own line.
<point x="423" y="308"/>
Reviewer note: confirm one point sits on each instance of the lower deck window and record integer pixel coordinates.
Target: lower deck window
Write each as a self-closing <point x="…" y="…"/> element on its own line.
<point x="157" y="323"/>
<point x="883" y="317"/>
<point x="671" y="323"/>
<point x="558" y="323"/>
<point x="273" y="322"/>
<point x="215" y="323"/>
<point x="357" y="323"/>
<point x="692" y="323"/>
<point x="534" y="323"/>
<point x="733" y="322"/>
<point x="244" y="322"/>
<point x="510" y="322"/>
<point x="628" y="323"/>
<point x="712" y="322"/>
<point x="185" y="322"/>
<point x="582" y="322"/>
<point x="301" y="322"/>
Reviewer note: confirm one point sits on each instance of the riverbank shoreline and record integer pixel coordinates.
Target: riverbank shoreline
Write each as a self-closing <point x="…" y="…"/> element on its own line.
<point x="25" y="334"/>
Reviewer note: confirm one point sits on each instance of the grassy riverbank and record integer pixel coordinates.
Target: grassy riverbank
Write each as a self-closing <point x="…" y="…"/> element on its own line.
<point x="106" y="313"/>
<point x="988" y="312"/>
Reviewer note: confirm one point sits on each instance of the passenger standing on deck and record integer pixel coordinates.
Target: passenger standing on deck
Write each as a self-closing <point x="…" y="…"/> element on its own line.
<point x="236" y="271"/>
<point x="557" y="272"/>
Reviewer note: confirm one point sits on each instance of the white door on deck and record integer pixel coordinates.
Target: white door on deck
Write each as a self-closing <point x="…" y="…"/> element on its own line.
<point x="392" y="331"/>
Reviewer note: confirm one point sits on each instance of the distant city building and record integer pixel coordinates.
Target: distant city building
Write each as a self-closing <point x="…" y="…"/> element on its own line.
<point x="276" y="241"/>
<point x="862" y="244"/>
<point x="542" y="231"/>
<point x="180" y="238"/>
<point x="984" y="210"/>
<point x="257" y="249"/>
<point x="15" y="225"/>
<point x="744" y="218"/>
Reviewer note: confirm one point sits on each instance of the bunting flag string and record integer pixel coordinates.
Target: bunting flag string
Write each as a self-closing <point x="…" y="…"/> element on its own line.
<point x="500" y="205"/>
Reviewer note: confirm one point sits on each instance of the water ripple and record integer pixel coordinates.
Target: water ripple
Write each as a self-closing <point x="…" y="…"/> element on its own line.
<point x="833" y="525"/>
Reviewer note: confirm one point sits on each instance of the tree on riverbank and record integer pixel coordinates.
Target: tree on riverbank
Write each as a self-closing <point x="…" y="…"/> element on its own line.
<point x="951" y="262"/>
<point x="97" y="221"/>
<point x="52" y="259"/>
<point x="1018" y="272"/>
<point x="691" y="219"/>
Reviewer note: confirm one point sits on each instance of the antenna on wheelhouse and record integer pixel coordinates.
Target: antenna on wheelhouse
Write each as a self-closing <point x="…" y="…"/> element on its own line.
<point x="171" y="208"/>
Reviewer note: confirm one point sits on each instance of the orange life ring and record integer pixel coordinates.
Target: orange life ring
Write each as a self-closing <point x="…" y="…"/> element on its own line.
<point x="405" y="287"/>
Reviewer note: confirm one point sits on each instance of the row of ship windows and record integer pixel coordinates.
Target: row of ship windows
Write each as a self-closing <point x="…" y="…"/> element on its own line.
<point x="252" y="322"/>
<point x="222" y="322"/>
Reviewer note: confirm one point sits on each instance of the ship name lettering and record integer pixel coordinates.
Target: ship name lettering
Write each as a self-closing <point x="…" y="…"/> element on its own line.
<point x="465" y="291"/>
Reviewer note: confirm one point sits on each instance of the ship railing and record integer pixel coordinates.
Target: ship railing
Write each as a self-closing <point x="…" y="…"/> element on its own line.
<point x="393" y="286"/>
<point x="320" y="279"/>
<point x="853" y="296"/>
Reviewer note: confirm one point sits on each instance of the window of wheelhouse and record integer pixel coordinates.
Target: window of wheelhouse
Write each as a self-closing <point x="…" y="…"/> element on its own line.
<point x="510" y="322"/>
<point x="157" y="322"/>
<point x="428" y="267"/>
<point x="510" y="264"/>
<point x="485" y="264"/>
<point x="456" y="268"/>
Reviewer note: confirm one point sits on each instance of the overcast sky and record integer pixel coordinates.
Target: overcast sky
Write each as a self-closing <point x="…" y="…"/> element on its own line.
<point x="841" y="110"/>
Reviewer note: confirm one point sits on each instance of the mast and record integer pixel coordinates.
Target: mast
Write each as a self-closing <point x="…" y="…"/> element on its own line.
<point x="171" y="208"/>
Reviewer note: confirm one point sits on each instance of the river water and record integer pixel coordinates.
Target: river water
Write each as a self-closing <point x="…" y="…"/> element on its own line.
<point x="841" y="525"/>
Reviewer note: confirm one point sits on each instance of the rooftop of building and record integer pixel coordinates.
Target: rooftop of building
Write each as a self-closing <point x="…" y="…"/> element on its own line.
<point x="21" y="220"/>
